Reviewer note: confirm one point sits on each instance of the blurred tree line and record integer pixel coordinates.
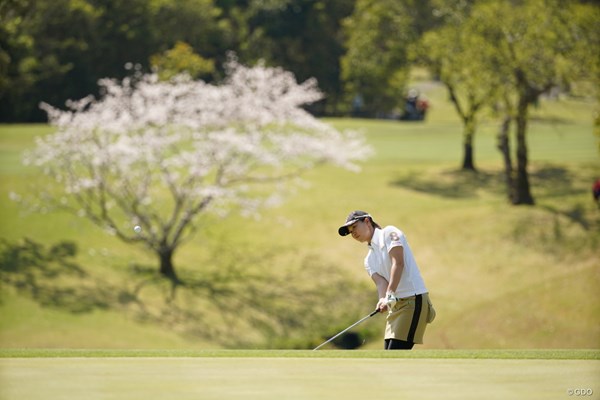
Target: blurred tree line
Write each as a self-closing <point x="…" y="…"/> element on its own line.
<point x="54" y="50"/>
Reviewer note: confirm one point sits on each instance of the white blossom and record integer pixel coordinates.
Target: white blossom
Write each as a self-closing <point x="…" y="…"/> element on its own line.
<point x="163" y="152"/>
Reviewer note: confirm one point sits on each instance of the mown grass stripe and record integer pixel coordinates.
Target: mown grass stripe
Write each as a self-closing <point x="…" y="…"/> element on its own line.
<point x="549" y="354"/>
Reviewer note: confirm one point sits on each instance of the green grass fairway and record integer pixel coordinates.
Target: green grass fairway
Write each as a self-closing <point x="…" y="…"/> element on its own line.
<point x="500" y="276"/>
<point x="298" y="375"/>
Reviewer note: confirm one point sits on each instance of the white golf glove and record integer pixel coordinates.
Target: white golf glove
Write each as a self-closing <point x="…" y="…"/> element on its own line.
<point x="390" y="300"/>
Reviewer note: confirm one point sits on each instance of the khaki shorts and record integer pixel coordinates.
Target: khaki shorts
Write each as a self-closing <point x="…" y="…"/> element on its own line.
<point x="408" y="319"/>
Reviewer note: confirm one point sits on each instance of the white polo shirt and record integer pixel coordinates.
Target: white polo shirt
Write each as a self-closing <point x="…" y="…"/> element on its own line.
<point x="379" y="261"/>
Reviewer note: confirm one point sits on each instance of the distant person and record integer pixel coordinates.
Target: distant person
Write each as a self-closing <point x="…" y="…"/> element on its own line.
<point x="415" y="107"/>
<point x="422" y="106"/>
<point x="596" y="192"/>
<point x="402" y="292"/>
<point x="357" y="105"/>
<point x="410" y="107"/>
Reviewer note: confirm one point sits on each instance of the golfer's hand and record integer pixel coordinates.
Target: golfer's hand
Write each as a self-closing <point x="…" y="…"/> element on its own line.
<point x="382" y="304"/>
<point x="387" y="302"/>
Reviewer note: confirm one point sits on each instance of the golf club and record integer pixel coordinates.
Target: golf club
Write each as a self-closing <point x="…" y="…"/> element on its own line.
<point x="348" y="328"/>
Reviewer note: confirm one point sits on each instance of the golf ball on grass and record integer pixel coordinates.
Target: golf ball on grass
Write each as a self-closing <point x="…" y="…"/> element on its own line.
<point x="137" y="229"/>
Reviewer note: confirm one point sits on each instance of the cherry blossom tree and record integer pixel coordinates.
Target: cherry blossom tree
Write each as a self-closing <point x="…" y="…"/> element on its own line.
<point x="159" y="154"/>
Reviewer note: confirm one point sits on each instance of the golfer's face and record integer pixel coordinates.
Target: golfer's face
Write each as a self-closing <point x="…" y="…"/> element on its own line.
<point x="360" y="231"/>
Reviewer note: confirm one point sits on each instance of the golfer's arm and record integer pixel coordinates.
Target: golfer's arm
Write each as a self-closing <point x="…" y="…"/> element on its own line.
<point x="381" y="284"/>
<point x="397" y="256"/>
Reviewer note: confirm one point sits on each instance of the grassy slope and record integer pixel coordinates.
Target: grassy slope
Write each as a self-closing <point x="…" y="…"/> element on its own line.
<point x="500" y="276"/>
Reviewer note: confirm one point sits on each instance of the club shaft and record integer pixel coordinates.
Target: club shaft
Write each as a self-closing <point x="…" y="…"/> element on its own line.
<point x="347" y="329"/>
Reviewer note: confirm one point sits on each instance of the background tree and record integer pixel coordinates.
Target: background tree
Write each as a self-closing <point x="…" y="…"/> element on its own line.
<point x="158" y="154"/>
<point x="42" y="46"/>
<point x="375" y="66"/>
<point x="55" y="50"/>
<point x="457" y="58"/>
<point x="587" y="43"/>
<point x="199" y="23"/>
<point x="182" y="59"/>
<point x="302" y="36"/>
<point x="536" y="46"/>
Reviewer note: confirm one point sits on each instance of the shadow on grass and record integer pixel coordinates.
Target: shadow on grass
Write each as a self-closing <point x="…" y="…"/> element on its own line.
<point x="242" y="293"/>
<point x="453" y="183"/>
<point x="49" y="276"/>
<point x="547" y="181"/>
<point x="552" y="183"/>
<point x="237" y="300"/>
<point x="575" y="214"/>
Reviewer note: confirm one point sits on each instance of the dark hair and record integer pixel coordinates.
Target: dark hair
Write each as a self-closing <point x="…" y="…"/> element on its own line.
<point x="375" y="224"/>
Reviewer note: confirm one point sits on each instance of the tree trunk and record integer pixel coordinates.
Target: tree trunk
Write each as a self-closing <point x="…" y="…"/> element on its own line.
<point x="468" y="158"/>
<point x="504" y="147"/>
<point x="167" y="268"/>
<point x="521" y="190"/>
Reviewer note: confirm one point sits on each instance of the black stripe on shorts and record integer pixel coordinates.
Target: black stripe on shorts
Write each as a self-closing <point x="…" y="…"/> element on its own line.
<point x="415" y="319"/>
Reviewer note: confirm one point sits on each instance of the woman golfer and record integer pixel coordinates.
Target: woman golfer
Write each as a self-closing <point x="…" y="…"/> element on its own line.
<point x="402" y="292"/>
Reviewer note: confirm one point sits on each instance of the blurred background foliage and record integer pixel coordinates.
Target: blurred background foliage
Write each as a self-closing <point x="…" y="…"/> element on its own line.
<point x="55" y="50"/>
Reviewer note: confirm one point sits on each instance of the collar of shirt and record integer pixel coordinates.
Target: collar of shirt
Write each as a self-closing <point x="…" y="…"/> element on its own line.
<point x="377" y="241"/>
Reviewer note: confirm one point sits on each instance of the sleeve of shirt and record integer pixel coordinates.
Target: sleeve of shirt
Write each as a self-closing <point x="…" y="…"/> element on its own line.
<point x="393" y="237"/>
